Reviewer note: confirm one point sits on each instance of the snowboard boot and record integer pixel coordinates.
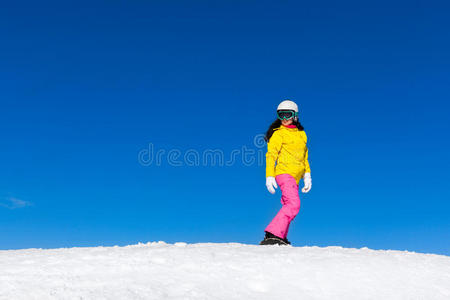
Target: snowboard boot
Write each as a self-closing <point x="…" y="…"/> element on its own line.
<point x="271" y="239"/>
<point x="286" y="241"/>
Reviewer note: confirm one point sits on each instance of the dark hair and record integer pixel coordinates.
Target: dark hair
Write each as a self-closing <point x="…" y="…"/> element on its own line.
<point x="276" y="124"/>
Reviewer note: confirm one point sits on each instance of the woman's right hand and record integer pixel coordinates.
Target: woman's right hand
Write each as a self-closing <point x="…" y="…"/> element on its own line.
<point x="271" y="184"/>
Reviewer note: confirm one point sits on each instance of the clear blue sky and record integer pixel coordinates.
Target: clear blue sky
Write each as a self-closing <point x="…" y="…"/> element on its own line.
<point x="85" y="86"/>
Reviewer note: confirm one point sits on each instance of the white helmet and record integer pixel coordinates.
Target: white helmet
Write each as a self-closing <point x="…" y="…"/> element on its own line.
<point x="288" y="105"/>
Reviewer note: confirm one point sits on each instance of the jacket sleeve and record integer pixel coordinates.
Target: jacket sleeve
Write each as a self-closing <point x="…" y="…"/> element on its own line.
<point x="273" y="148"/>
<point x="307" y="168"/>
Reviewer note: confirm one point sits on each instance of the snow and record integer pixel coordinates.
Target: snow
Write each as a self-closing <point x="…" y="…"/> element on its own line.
<point x="158" y="270"/>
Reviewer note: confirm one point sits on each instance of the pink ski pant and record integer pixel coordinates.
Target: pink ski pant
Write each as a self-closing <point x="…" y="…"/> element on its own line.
<point x="291" y="205"/>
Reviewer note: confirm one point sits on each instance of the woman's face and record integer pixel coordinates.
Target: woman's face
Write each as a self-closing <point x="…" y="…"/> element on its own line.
<point x="287" y="122"/>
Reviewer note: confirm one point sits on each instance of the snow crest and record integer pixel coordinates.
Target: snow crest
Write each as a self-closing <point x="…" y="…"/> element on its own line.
<point x="158" y="270"/>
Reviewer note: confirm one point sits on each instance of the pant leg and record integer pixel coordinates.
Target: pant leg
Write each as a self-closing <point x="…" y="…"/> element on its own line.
<point x="290" y="200"/>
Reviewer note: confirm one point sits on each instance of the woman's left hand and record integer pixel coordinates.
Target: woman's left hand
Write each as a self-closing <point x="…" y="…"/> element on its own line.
<point x="308" y="182"/>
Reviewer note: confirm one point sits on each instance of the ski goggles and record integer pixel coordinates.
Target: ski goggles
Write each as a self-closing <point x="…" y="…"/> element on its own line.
<point x="286" y="114"/>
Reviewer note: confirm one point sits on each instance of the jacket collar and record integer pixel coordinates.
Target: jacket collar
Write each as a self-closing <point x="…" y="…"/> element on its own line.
<point x="289" y="126"/>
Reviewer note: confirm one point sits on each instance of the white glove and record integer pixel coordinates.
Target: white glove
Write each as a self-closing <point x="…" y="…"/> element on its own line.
<point x="271" y="184"/>
<point x="307" y="181"/>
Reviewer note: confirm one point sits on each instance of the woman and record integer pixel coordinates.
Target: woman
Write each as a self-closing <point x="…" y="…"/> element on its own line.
<point x="286" y="145"/>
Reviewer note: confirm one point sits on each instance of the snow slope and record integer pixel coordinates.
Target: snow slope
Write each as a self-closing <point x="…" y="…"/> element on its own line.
<point x="221" y="271"/>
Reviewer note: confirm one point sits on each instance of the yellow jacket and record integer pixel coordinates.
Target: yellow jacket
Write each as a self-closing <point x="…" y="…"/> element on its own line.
<point x="287" y="147"/>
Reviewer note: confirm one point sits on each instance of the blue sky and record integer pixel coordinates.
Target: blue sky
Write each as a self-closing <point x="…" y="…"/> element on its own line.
<point x="86" y="86"/>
